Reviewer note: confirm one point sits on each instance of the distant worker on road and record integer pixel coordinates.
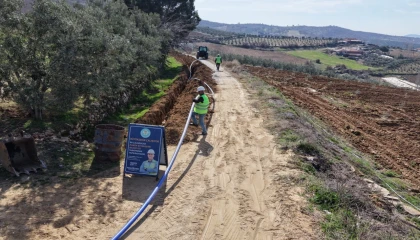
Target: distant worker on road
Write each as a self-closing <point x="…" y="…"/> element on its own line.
<point x="218" y="61"/>
<point x="202" y="103"/>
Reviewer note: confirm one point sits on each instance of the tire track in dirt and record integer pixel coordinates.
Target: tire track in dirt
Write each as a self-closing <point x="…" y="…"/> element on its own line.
<point x="230" y="194"/>
<point x="172" y="221"/>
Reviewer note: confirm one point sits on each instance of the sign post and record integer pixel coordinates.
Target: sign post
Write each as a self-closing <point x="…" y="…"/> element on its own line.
<point x="146" y="150"/>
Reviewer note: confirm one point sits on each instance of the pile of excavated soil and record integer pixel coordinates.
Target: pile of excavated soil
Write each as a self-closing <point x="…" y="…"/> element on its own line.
<point x="172" y="109"/>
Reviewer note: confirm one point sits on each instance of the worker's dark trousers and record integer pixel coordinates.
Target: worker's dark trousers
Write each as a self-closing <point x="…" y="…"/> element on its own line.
<point x="201" y="117"/>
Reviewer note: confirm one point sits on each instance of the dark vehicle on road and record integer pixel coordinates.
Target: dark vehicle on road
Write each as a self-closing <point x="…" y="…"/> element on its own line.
<point x="202" y="52"/>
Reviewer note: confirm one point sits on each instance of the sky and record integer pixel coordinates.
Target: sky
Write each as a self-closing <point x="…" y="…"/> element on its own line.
<point x="392" y="17"/>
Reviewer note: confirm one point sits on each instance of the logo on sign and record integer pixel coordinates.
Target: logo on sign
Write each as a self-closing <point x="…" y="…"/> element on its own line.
<point x="145" y="133"/>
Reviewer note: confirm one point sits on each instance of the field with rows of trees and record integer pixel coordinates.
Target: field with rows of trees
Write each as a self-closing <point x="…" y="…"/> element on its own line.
<point x="280" y="42"/>
<point x="264" y="41"/>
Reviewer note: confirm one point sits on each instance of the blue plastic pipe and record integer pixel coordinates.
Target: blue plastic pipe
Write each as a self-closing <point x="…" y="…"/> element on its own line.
<point x="160" y="183"/>
<point x="162" y="180"/>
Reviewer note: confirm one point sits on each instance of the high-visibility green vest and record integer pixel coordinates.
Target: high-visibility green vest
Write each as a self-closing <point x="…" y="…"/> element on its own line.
<point x="219" y="59"/>
<point x="201" y="108"/>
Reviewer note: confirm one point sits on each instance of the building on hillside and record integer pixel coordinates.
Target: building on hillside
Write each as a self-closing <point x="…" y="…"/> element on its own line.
<point x="349" y="41"/>
<point x="354" y="53"/>
<point x="386" y="57"/>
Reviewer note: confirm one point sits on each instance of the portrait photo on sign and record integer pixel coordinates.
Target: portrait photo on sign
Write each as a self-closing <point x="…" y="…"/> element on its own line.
<point x="150" y="165"/>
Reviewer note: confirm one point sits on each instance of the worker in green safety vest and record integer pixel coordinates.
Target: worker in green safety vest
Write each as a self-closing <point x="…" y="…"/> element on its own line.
<point x="150" y="166"/>
<point x="218" y="61"/>
<point x="202" y="103"/>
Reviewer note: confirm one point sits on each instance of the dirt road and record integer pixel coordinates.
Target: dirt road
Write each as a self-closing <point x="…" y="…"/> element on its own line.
<point x="240" y="190"/>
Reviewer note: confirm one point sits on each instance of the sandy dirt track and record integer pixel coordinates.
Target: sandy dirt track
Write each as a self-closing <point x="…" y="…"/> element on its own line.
<point x="236" y="192"/>
<point x="240" y="190"/>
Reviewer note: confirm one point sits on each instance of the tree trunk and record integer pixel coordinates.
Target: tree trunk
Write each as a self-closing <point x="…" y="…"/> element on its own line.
<point x="36" y="112"/>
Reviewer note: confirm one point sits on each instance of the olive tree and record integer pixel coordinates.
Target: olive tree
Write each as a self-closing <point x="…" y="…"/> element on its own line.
<point x="114" y="50"/>
<point x="57" y="53"/>
<point x="29" y="43"/>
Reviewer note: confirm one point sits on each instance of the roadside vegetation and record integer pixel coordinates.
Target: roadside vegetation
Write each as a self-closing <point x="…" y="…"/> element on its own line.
<point x="68" y="159"/>
<point x="65" y="68"/>
<point x="58" y="57"/>
<point x="143" y="101"/>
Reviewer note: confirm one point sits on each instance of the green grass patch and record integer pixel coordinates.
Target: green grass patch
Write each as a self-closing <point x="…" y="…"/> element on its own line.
<point x="58" y="120"/>
<point x="341" y="224"/>
<point x="324" y="198"/>
<point x="340" y="221"/>
<point x="78" y="161"/>
<point x="402" y="187"/>
<point x="141" y="104"/>
<point x="328" y="60"/>
<point x="390" y="173"/>
<point x="363" y="165"/>
<point x="416" y="221"/>
<point x="412" y="199"/>
<point x="288" y="136"/>
<point x="334" y="140"/>
<point x="308" y="168"/>
<point x="307" y="148"/>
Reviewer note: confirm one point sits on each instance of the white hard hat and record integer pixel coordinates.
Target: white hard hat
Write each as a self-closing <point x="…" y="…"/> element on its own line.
<point x="151" y="151"/>
<point x="200" y="88"/>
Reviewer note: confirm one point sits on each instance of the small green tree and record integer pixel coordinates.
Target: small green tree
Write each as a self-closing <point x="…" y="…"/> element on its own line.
<point x="29" y="50"/>
<point x="384" y="49"/>
<point x="178" y="17"/>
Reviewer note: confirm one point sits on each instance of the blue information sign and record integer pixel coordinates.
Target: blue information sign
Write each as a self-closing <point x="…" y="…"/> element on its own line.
<point x="146" y="149"/>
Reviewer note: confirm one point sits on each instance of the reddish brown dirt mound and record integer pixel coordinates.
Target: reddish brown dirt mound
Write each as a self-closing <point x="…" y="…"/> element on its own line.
<point x="381" y="121"/>
<point x="172" y="110"/>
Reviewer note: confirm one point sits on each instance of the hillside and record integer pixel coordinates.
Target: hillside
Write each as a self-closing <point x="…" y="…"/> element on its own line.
<point x="309" y="31"/>
<point x="413" y="35"/>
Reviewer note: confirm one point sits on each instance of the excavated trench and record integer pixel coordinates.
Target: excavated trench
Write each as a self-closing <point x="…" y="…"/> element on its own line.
<point x="172" y="110"/>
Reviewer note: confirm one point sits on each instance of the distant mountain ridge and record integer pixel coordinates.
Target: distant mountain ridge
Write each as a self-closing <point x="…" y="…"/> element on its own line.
<point x="309" y="31"/>
<point x="413" y="35"/>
